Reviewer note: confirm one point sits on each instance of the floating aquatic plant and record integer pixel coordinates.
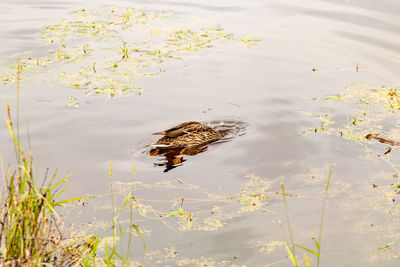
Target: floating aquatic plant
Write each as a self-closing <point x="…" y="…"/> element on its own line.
<point x="107" y="51"/>
<point x="183" y="214"/>
<point x="195" y="209"/>
<point x="372" y="110"/>
<point x="372" y="116"/>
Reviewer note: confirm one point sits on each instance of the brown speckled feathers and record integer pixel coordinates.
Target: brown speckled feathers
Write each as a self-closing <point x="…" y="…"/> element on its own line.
<point x="188" y="134"/>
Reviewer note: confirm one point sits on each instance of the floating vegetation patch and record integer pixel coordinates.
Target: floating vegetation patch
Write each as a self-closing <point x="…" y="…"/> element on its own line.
<point x="370" y="203"/>
<point x="182" y="212"/>
<point x="107" y="51"/>
<point x="185" y="209"/>
<point x="371" y="118"/>
<point x="373" y="114"/>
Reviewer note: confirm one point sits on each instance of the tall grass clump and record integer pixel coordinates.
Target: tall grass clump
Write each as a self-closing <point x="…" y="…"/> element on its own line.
<point x="115" y="254"/>
<point x="290" y="244"/>
<point x="30" y="228"/>
<point x="31" y="232"/>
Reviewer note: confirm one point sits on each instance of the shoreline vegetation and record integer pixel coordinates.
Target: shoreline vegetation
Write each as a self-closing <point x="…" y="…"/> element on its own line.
<point x="32" y="231"/>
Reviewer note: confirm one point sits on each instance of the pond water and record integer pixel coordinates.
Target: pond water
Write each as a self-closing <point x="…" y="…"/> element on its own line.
<point x="307" y="49"/>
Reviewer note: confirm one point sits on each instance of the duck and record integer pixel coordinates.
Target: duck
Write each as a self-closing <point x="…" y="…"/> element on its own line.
<point x="190" y="134"/>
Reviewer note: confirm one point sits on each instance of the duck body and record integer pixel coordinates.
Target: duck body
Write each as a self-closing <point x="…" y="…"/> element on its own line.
<point x="189" y="134"/>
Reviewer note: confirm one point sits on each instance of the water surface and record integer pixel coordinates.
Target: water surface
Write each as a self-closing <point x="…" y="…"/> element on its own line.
<point x="264" y="86"/>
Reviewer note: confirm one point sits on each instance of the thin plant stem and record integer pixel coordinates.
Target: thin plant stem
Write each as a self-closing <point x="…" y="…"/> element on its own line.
<point x="323" y="213"/>
<point x="19" y="69"/>
<point x="131" y="214"/>
<point x="114" y="219"/>
<point x="292" y="247"/>
<point x="28" y="138"/>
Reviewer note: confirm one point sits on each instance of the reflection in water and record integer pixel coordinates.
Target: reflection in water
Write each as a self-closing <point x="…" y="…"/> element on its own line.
<point x="173" y="157"/>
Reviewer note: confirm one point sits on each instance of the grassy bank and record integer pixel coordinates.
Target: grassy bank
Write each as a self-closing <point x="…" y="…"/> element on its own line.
<point x="31" y="231"/>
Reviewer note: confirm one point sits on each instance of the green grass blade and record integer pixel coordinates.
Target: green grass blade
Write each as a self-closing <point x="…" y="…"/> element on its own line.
<point x="307" y="260"/>
<point x="133" y="171"/>
<point x="321" y="222"/>
<point x="125" y="202"/>
<point x="292" y="247"/>
<point x="60" y="182"/>
<point x="307" y="249"/>
<point x="316" y="244"/>
<point x="62" y="190"/>
<point x="140" y="234"/>
<point x="72" y="200"/>
<point x="291" y="255"/>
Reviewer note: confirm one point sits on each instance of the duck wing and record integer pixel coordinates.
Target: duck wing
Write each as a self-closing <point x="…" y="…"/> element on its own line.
<point x="198" y="128"/>
<point x="178" y="129"/>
